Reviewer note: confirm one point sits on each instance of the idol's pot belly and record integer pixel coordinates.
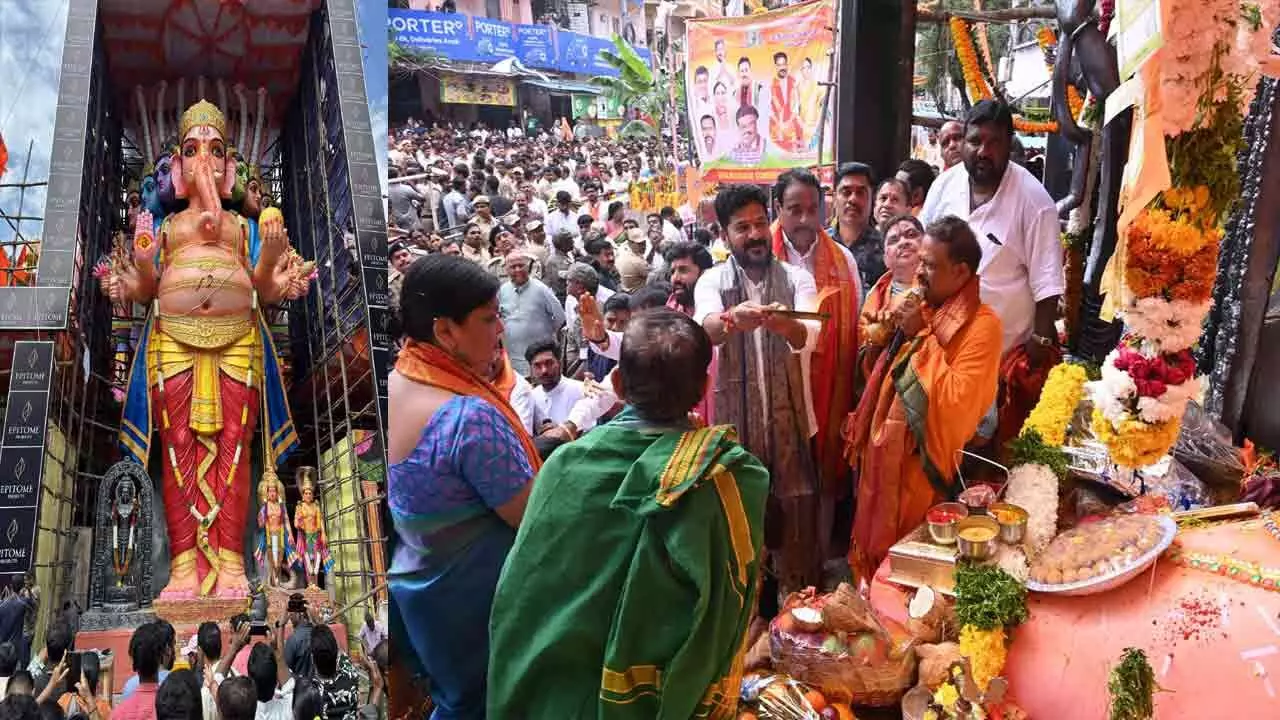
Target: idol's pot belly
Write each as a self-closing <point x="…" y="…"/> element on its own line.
<point x="205" y="281"/>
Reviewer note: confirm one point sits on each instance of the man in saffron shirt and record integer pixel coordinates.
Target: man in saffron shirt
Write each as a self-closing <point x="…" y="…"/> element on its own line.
<point x="145" y="650"/>
<point x="931" y="387"/>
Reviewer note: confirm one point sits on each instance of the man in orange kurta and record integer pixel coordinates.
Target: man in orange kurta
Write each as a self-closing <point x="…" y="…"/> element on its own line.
<point x="929" y="391"/>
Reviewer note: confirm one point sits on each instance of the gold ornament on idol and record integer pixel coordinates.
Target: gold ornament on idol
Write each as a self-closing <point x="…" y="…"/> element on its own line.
<point x="203" y="113"/>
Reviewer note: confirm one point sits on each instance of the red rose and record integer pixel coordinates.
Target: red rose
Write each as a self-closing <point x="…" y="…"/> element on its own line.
<point x="1139" y="368"/>
<point x="1122" y="362"/>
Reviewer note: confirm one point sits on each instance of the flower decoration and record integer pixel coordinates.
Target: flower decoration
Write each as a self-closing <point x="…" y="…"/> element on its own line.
<point x="974" y="82"/>
<point x="1063" y="390"/>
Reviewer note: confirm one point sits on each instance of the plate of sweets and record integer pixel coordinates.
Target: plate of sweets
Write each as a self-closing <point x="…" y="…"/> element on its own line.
<point x="1102" y="555"/>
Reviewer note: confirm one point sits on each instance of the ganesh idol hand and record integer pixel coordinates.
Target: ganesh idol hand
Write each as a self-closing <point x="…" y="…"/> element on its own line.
<point x="275" y="241"/>
<point x="145" y="246"/>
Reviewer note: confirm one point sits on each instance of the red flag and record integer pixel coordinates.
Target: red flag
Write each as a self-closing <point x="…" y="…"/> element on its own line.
<point x="4" y="155"/>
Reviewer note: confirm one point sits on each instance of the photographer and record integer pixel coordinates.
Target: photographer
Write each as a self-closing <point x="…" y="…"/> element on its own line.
<point x="297" y="651"/>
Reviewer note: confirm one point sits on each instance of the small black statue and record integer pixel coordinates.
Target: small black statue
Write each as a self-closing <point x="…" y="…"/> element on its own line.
<point x="120" y="590"/>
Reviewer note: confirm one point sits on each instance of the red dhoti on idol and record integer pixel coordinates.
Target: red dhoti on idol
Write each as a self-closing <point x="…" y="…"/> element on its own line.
<point x="206" y="382"/>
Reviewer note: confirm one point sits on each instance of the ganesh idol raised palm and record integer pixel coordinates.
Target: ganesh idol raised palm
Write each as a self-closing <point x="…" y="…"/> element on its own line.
<point x="206" y="372"/>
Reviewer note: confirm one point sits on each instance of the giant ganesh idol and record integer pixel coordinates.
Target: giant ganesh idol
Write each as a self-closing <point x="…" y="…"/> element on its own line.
<point x="205" y="371"/>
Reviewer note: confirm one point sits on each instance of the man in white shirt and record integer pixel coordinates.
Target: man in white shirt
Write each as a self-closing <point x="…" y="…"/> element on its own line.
<point x="563" y="217"/>
<point x="272" y="680"/>
<point x="1016" y="223"/>
<point x="762" y="383"/>
<point x="554" y="395"/>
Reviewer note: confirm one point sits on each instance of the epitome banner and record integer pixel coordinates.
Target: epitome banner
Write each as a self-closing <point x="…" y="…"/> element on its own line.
<point x="755" y="98"/>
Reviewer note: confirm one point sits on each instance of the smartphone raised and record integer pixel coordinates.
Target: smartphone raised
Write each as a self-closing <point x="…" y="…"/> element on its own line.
<point x="73" y="671"/>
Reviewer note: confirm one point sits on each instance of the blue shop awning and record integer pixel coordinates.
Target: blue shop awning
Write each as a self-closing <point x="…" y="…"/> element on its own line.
<point x="564" y="86"/>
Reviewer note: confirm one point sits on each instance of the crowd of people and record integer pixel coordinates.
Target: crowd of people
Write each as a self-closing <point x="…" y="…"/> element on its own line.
<point x="241" y="670"/>
<point x="612" y="457"/>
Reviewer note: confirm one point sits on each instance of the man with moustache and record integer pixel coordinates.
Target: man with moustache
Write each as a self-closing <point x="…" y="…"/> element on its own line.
<point x="891" y="201"/>
<point x="760" y="386"/>
<point x="688" y="261"/>
<point x="750" y="147"/>
<point x="929" y="390"/>
<point x="853" y="227"/>
<point x="784" y="106"/>
<point x="1016" y="223"/>
<point x="707" y="123"/>
<point x="799" y="239"/>
<point x="951" y="138"/>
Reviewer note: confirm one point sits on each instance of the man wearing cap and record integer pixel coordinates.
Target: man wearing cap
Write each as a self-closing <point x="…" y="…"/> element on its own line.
<point x="630" y="261"/>
<point x="400" y="258"/>
<point x="555" y="269"/>
<point x="535" y="242"/>
<point x="530" y="311"/>
<point x="484" y="215"/>
<point x="563" y="217"/>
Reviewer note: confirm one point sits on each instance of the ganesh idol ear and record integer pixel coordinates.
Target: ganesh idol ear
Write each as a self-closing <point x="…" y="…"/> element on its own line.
<point x="228" y="177"/>
<point x="175" y="174"/>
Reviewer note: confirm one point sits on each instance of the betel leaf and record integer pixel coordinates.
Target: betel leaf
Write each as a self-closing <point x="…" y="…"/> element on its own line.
<point x="1132" y="687"/>
<point x="1029" y="449"/>
<point x="988" y="597"/>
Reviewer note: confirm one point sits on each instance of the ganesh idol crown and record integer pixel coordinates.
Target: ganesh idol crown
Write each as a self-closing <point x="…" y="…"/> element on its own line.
<point x="203" y="258"/>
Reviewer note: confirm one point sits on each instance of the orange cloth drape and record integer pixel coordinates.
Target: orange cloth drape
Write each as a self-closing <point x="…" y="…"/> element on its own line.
<point x="835" y="355"/>
<point x="427" y="364"/>
<point x="956" y="362"/>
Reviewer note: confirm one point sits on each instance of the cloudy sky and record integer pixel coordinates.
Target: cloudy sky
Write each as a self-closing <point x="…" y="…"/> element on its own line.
<point x="30" y="55"/>
<point x="31" y="36"/>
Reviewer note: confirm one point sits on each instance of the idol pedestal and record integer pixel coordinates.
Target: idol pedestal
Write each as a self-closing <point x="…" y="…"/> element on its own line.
<point x="186" y="617"/>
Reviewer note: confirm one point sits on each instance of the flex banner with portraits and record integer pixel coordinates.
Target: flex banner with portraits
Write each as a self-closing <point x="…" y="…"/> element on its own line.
<point x="755" y="94"/>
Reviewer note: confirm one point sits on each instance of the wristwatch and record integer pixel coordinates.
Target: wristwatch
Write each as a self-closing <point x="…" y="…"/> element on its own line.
<point x="1042" y="341"/>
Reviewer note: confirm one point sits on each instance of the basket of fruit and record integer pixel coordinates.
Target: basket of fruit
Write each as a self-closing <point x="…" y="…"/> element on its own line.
<point x="836" y="644"/>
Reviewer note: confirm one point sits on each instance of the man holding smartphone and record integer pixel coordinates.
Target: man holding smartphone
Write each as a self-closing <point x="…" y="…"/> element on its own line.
<point x="297" y="651"/>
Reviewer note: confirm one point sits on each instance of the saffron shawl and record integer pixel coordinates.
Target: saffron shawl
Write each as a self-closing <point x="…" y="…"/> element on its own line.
<point x="427" y="364"/>
<point x="831" y="381"/>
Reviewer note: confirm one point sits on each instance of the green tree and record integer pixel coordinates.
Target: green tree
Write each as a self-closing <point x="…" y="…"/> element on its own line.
<point x="640" y="87"/>
<point x="403" y="62"/>
<point x="936" y="54"/>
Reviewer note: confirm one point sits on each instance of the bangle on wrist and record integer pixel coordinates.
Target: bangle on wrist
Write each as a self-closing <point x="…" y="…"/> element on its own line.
<point x="1042" y="341"/>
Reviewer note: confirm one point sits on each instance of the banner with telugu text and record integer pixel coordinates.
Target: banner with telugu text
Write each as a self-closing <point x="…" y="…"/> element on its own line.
<point x="754" y="91"/>
<point x="472" y="90"/>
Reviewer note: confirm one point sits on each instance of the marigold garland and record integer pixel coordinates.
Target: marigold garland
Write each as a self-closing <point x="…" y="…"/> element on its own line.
<point x="1170" y="258"/>
<point x="976" y="84"/>
<point x="968" y="56"/>
<point x="987" y="652"/>
<point x="1133" y="443"/>
<point x="1062" y="393"/>
<point x="1049" y="45"/>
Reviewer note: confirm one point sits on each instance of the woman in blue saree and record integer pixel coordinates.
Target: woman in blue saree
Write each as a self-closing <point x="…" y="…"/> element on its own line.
<point x="460" y="474"/>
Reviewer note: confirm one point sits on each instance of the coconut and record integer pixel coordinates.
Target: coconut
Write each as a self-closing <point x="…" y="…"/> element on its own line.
<point x="846" y="611"/>
<point x="929" y="615"/>
<point x="807" y="619"/>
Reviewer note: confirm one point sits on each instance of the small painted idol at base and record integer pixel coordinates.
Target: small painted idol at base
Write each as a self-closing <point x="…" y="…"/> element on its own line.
<point x="275" y="553"/>
<point x="309" y="521"/>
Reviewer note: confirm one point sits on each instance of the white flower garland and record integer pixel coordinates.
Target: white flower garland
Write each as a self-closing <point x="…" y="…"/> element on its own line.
<point x="1034" y="488"/>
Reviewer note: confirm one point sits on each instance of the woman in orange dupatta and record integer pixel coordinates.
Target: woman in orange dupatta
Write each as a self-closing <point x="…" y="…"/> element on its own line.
<point x="461" y="470"/>
<point x="902" y="236"/>
<point x="931" y="387"/>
